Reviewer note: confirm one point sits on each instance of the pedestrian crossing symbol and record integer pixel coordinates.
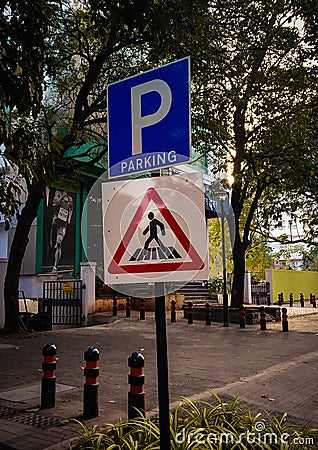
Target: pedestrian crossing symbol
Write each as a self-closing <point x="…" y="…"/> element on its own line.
<point x="154" y="253"/>
<point x="154" y="237"/>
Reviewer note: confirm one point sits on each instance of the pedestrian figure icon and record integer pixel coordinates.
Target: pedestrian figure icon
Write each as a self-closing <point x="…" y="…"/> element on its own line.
<point x="159" y="252"/>
<point x="152" y="229"/>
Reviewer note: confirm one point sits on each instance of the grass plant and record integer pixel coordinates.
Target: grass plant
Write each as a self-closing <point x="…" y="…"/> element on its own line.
<point x="213" y="424"/>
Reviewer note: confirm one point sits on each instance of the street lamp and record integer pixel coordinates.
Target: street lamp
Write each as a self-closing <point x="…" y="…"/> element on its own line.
<point x="222" y="196"/>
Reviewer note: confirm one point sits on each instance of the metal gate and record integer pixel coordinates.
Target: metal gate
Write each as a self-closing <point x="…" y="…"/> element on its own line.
<point x="62" y="302"/>
<point x="260" y="290"/>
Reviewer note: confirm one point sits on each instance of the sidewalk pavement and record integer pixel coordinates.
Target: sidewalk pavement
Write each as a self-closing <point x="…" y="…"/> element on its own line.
<point x="269" y="370"/>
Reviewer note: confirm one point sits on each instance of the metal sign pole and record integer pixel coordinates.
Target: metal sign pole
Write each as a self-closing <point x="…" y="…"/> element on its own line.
<point x="162" y="366"/>
<point x="125" y="256"/>
<point x="162" y="361"/>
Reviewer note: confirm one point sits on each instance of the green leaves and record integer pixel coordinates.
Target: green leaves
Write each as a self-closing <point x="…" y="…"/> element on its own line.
<point x="213" y="424"/>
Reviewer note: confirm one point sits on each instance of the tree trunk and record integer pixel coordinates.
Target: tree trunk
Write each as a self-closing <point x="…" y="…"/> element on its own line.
<point x="237" y="295"/>
<point x="17" y="251"/>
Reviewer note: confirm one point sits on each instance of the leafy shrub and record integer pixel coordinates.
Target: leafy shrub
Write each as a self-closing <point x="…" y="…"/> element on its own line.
<point x="216" y="285"/>
<point x="202" y="425"/>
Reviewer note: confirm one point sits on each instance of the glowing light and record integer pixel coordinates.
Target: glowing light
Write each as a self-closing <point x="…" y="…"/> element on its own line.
<point x="229" y="174"/>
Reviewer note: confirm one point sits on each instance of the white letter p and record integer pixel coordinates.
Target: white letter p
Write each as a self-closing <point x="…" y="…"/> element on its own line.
<point x="139" y="122"/>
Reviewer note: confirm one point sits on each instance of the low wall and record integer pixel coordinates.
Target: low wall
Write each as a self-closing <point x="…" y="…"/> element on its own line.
<point x="292" y="282"/>
<point x="150" y="302"/>
<point x="106" y="304"/>
<point x="217" y="315"/>
<point x="251" y="314"/>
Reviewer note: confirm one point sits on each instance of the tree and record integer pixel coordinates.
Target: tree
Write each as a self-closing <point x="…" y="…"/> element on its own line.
<point x="258" y="255"/>
<point x="24" y="26"/>
<point x="22" y="31"/>
<point x="216" y="250"/>
<point x="257" y="99"/>
<point x="310" y="258"/>
<point x="79" y="50"/>
<point x="253" y="95"/>
<point x="257" y="259"/>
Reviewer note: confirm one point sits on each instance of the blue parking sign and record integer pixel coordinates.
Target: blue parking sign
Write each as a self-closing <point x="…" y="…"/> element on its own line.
<point x="149" y="120"/>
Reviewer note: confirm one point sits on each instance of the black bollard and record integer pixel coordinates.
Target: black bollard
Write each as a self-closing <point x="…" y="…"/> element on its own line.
<point x="128" y="307"/>
<point x="302" y="301"/>
<point x="284" y="319"/>
<point x="136" y="380"/>
<point x="279" y="300"/>
<point x="314" y="304"/>
<point x="190" y="313"/>
<point x="207" y="314"/>
<point x="115" y="308"/>
<point x="91" y="372"/>
<point x="142" y="310"/>
<point x="268" y="299"/>
<point x="48" y="386"/>
<point x="242" y="316"/>
<point x="262" y="320"/>
<point x="173" y="311"/>
<point x="257" y="298"/>
<point x="291" y="300"/>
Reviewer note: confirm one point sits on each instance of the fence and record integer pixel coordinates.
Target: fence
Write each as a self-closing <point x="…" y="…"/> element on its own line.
<point x="62" y="302"/>
<point x="259" y="293"/>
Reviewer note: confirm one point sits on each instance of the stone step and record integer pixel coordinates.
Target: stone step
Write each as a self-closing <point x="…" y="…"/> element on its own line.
<point x="197" y="301"/>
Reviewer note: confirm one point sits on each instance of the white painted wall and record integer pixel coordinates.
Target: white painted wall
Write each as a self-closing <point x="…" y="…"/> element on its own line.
<point x="88" y="270"/>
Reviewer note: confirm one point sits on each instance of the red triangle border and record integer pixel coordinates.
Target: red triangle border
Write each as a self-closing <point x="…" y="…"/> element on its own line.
<point x="196" y="263"/>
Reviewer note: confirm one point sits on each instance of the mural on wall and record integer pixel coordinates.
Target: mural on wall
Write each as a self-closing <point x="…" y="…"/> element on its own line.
<point x="59" y="231"/>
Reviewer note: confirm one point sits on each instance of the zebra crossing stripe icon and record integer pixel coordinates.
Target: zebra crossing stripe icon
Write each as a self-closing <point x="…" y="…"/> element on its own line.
<point x="167" y="258"/>
<point x="155" y="253"/>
